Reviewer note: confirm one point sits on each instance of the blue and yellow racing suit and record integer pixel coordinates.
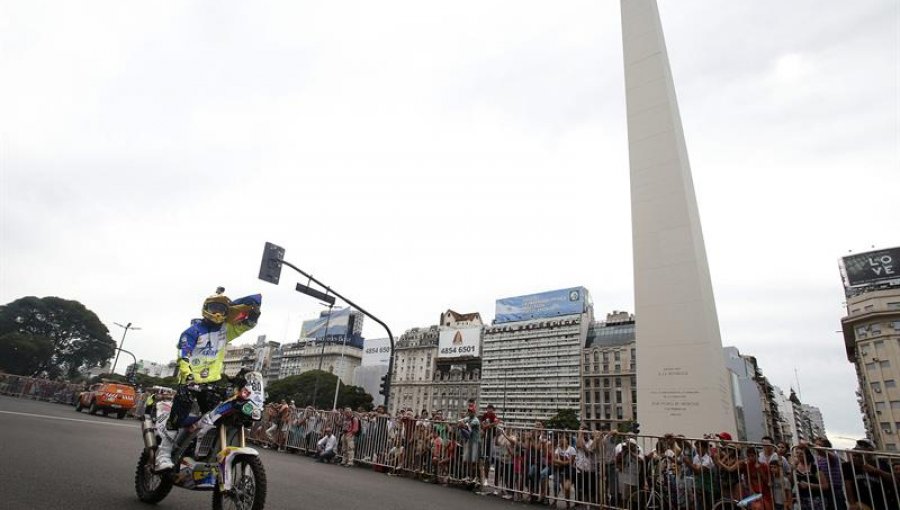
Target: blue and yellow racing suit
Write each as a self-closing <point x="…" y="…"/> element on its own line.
<point x="201" y="349"/>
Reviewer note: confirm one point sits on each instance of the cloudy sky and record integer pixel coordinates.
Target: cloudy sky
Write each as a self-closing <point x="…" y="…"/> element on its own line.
<point x="424" y="155"/>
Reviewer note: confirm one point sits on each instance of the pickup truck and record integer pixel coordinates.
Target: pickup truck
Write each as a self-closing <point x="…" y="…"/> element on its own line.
<point x="107" y="397"/>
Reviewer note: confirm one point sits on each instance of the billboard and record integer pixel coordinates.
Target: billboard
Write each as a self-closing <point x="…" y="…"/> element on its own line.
<point x="459" y="342"/>
<point x="340" y="326"/>
<point x="543" y="305"/>
<point x="376" y="351"/>
<point x="870" y="268"/>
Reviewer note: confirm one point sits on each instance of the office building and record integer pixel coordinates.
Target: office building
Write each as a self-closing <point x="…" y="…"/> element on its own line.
<point x="871" y="331"/>
<point x="609" y="364"/>
<point x="305" y="355"/>
<point x="531" y="354"/>
<point x="414" y="355"/>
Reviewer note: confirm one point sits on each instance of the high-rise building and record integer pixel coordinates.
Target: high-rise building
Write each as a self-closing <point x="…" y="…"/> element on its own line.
<point x="755" y="406"/>
<point x="812" y="421"/>
<point x="872" y="339"/>
<point x="152" y="368"/>
<point x="609" y="364"/>
<point x="682" y="384"/>
<point x="305" y="355"/>
<point x="531" y="354"/>
<point x="414" y="355"/>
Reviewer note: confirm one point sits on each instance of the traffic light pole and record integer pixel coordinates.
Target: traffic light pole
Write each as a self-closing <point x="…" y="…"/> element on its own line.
<point x="387" y="386"/>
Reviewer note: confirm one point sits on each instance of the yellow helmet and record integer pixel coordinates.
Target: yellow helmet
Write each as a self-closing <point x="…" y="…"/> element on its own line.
<point x="215" y="307"/>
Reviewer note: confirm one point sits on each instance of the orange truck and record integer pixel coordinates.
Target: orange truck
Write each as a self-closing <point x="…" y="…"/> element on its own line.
<point x="107" y="398"/>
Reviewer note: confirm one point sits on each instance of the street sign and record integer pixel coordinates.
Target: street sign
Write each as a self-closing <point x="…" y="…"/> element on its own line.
<point x="270" y="267"/>
<point x="321" y="296"/>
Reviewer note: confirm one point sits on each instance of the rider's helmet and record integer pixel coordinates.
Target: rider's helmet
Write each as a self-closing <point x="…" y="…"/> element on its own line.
<point x="215" y="307"/>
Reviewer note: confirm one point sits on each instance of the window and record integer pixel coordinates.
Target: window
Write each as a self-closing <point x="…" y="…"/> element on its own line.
<point x="606" y="367"/>
<point x="876" y="329"/>
<point x="895" y="404"/>
<point x="870" y="366"/>
<point x="606" y="382"/>
<point x="596" y="396"/>
<point x="891" y="447"/>
<point x="618" y="382"/>
<point x="895" y="325"/>
<point x="619" y="412"/>
<point x="617" y="356"/>
<point x="868" y="307"/>
<point x="876" y="387"/>
<point x="618" y="396"/>
<point x="880" y="406"/>
<point x="893" y="306"/>
<point x="618" y="368"/>
<point x="606" y="397"/>
<point x="886" y="427"/>
<point x="885" y="363"/>
<point x="587" y="396"/>
<point x="605" y="356"/>
<point x="890" y="383"/>
<point x="861" y="331"/>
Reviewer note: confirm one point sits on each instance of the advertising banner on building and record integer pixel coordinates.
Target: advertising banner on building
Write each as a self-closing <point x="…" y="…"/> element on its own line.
<point x="335" y="330"/>
<point x="459" y="342"/>
<point x="376" y="351"/>
<point x="870" y="268"/>
<point x="543" y="305"/>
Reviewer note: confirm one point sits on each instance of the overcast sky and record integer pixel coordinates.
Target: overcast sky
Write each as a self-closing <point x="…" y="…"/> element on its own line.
<point x="418" y="156"/>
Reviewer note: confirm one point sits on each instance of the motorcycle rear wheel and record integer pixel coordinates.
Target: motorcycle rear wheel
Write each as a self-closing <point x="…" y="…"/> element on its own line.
<point x="150" y="487"/>
<point x="248" y="489"/>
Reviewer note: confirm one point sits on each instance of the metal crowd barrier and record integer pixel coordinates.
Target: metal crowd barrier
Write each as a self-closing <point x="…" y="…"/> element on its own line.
<point x="39" y="389"/>
<point x="600" y="469"/>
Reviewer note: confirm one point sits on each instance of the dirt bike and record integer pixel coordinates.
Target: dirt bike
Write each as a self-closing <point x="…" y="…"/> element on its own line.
<point x="213" y="456"/>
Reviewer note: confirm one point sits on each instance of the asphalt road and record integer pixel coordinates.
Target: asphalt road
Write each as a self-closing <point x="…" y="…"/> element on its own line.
<point x="54" y="458"/>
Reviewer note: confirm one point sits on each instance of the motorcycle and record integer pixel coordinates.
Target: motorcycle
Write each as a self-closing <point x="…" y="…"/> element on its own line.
<point x="213" y="456"/>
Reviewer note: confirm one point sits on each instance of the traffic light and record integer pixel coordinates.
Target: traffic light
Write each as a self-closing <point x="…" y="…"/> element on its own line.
<point x="384" y="385"/>
<point x="270" y="267"/>
<point x="636" y="427"/>
<point x="131" y="373"/>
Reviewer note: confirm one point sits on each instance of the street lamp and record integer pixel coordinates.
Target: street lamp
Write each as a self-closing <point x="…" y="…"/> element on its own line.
<point x="122" y="343"/>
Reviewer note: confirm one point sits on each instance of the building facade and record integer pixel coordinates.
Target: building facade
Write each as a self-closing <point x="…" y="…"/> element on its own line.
<point x="608" y="368"/>
<point x="531" y="355"/>
<point x="457" y="376"/>
<point x="754" y="402"/>
<point x="414" y="364"/>
<point x="305" y="355"/>
<point x="871" y="331"/>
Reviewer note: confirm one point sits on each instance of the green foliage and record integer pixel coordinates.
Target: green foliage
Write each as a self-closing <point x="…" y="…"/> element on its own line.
<point x="23" y="354"/>
<point x="75" y="334"/>
<point x="565" y="419"/>
<point x="299" y="388"/>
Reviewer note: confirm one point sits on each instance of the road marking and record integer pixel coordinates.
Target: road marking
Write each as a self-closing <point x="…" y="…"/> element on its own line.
<point x="67" y="419"/>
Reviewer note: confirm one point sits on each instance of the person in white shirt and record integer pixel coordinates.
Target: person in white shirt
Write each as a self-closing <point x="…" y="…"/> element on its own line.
<point x="325" y="447"/>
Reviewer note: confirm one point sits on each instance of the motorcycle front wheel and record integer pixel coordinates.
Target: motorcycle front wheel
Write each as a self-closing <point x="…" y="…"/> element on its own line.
<point x="150" y="487"/>
<point x="248" y="488"/>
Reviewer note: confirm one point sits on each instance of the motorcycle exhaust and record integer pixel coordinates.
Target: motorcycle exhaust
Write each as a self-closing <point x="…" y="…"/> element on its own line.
<point x="148" y="429"/>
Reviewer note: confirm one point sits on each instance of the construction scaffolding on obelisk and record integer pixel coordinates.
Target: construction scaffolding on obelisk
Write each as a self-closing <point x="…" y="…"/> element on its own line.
<point x="682" y="383"/>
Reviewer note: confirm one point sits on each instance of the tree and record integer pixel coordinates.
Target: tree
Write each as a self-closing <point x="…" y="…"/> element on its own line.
<point x="299" y="388"/>
<point x="23" y="354"/>
<point x="565" y="419"/>
<point x="75" y="334"/>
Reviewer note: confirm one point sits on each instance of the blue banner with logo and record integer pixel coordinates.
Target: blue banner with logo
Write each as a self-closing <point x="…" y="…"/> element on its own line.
<point x="543" y="305"/>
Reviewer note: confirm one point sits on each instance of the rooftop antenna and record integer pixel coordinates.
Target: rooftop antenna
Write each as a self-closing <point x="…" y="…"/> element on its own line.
<point x="797" y="377"/>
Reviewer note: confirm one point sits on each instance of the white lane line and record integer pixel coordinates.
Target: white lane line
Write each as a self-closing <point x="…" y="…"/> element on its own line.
<point x="67" y="419"/>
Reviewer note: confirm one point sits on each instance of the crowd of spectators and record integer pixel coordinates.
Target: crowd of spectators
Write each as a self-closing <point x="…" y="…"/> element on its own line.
<point x="590" y="468"/>
<point x="575" y="468"/>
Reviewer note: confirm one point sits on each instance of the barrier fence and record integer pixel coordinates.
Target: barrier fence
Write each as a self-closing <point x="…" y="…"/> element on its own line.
<point x="563" y="467"/>
<point x="608" y="470"/>
<point x="39" y="389"/>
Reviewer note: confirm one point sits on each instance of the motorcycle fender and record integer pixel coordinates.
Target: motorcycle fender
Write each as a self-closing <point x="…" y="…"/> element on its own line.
<point x="226" y="459"/>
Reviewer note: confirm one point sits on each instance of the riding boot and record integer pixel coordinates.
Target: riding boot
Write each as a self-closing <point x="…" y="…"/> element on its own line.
<point x="166" y="444"/>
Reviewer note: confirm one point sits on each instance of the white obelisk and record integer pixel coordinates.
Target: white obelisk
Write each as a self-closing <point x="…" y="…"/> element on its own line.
<point x="682" y="383"/>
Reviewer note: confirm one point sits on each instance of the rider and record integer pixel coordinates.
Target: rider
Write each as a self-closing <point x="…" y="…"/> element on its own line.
<point x="201" y="352"/>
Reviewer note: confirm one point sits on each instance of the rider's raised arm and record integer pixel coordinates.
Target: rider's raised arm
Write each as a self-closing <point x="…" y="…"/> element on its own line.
<point x="242" y="316"/>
